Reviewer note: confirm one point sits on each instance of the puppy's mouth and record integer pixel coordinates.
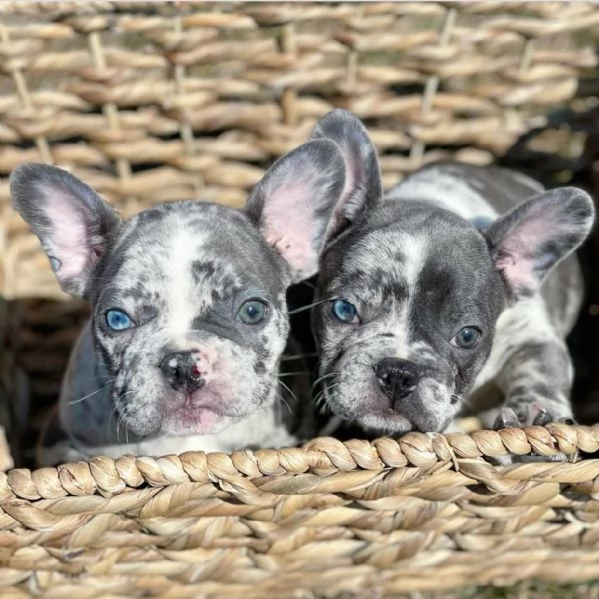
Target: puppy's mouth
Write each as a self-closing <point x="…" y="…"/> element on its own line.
<point x="361" y="400"/>
<point x="202" y="412"/>
<point x="180" y="413"/>
<point x="192" y="419"/>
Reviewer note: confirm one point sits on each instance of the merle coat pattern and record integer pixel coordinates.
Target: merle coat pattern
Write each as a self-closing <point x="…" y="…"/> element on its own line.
<point x="196" y="292"/>
<point x="452" y="294"/>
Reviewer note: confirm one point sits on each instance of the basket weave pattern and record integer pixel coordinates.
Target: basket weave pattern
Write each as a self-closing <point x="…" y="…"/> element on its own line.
<point x="154" y="102"/>
<point x="330" y="518"/>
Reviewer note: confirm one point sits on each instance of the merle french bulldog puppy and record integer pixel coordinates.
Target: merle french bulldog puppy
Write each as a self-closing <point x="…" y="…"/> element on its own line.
<point x="189" y="317"/>
<point x="453" y="294"/>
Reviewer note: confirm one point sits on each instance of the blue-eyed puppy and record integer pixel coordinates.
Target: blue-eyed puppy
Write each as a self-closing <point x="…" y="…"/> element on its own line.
<point x="189" y="318"/>
<point x="452" y="294"/>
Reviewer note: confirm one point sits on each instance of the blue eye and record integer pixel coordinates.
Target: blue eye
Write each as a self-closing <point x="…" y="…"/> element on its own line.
<point x="467" y="338"/>
<point x="252" y="312"/>
<point x="344" y="311"/>
<point x="117" y="320"/>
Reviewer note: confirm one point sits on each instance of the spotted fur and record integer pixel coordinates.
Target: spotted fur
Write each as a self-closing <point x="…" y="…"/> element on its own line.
<point x="452" y="246"/>
<point x="181" y="271"/>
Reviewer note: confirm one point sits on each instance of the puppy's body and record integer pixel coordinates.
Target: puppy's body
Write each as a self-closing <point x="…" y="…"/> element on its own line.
<point x="528" y="348"/>
<point x="430" y="301"/>
<point x="189" y="315"/>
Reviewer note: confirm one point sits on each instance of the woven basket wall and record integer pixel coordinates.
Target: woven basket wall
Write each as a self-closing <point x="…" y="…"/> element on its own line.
<point x="155" y="102"/>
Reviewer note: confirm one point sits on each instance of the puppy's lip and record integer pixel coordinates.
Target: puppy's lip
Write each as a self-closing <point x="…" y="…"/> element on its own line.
<point x="192" y="405"/>
<point x="387" y="419"/>
<point x="190" y="420"/>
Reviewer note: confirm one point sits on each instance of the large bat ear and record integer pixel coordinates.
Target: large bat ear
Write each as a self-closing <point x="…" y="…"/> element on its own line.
<point x="69" y="218"/>
<point x="293" y="202"/>
<point x="363" y="188"/>
<point x="527" y="242"/>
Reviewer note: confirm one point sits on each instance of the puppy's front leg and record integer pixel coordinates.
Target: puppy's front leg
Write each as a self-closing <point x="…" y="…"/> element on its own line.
<point x="536" y="380"/>
<point x="534" y="373"/>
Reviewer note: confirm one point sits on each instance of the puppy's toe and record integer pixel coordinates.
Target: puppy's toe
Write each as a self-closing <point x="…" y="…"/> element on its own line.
<point x="506" y="419"/>
<point x="539" y="415"/>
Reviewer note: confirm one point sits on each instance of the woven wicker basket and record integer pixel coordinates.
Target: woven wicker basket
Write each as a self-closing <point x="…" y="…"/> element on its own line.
<point x="151" y="102"/>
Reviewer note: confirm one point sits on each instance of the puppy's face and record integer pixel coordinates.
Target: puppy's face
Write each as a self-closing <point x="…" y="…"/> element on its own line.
<point x="189" y="313"/>
<point x="411" y="298"/>
<point x="189" y="319"/>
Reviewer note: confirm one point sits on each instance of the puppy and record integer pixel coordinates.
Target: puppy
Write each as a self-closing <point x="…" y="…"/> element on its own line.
<point x="453" y="294"/>
<point x="189" y="317"/>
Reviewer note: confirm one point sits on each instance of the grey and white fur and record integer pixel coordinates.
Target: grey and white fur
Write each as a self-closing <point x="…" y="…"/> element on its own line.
<point x="189" y="318"/>
<point x="455" y="290"/>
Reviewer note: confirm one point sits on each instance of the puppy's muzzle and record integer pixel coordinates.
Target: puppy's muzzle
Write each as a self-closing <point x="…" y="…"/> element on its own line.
<point x="397" y="378"/>
<point x="184" y="371"/>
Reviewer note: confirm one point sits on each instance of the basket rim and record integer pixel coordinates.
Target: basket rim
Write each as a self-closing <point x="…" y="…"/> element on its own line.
<point x="322" y="457"/>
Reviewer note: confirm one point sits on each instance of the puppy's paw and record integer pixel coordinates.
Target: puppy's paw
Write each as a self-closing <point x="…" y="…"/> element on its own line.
<point x="526" y="414"/>
<point x="529" y="414"/>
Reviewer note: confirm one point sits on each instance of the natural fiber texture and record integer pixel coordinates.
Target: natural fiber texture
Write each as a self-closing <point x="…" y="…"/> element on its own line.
<point x="427" y="512"/>
<point x="151" y="102"/>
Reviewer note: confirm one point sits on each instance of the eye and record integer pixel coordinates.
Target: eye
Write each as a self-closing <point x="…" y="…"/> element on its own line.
<point x="467" y="338"/>
<point x="252" y="312"/>
<point x="118" y="320"/>
<point x="344" y="311"/>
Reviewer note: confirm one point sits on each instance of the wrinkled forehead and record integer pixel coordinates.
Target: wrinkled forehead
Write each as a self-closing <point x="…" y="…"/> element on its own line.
<point x="397" y="262"/>
<point x="208" y="244"/>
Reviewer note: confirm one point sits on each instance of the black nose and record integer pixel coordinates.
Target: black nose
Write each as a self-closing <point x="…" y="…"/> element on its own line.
<point x="181" y="371"/>
<point x="397" y="377"/>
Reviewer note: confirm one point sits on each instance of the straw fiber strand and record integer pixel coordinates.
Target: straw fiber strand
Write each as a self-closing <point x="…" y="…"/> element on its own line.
<point x="425" y="512"/>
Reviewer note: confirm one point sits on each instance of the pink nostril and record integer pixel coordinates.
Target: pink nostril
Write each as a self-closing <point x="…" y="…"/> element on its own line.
<point x="195" y="370"/>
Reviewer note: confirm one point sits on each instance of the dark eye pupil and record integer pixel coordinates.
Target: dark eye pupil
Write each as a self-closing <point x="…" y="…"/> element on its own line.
<point x="252" y="312"/>
<point x="468" y="337"/>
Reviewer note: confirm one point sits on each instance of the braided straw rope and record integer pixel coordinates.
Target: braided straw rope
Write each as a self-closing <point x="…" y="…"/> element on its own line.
<point x="424" y="512"/>
<point x="150" y="102"/>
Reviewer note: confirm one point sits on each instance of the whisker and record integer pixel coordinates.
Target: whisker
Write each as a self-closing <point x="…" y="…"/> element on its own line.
<point x="81" y="399"/>
<point x="323" y="377"/>
<point x="294" y="373"/>
<point x="289" y="357"/>
<point x="283" y="398"/>
<point x="284" y="401"/>
<point x="121" y="409"/>
<point x="288" y="389"/>
<point x="463" y="400"/>
<point x="321" y="397"/>
<point x="304" y="308"/>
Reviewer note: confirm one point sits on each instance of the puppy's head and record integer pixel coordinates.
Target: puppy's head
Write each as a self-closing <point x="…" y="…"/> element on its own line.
<point x="410" y="293"/>
<point x="188" y="298"/>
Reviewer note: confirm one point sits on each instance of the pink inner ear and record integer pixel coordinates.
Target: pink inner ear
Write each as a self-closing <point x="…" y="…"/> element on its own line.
<point x="70" y="237"/>
<point x="288" y="226"/>
<point x="520" y="248"/>
<point x="517" y="272"/>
